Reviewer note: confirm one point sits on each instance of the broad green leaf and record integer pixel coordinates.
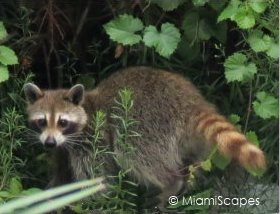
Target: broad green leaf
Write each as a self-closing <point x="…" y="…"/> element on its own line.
<point x="206" y="165"/>
<point x="258" y="5"/>
<point x="198" y="26"/>
<point x="4" y="73"/>
<point x="252" y="137"/>
<point x="234" y="118"/>
<point x="273" y="50"/>
<point x="258" y="41"/>
<point x="244" y="18"/>
<point x="3" y="32"/>
<point x="123" y="29"/>
<point x="15" y="186"/>
<point x="237" y="68"/>
<point x="266" y="106"/>
<point x="165" y="42"/>
<point x="191" y="25"/>
<point x="220" y="161"/>
<point x="168" y="5"/>
<point x="7" y="56"/>
<point x="199" y="3"/>
<point x="230" y="11"/>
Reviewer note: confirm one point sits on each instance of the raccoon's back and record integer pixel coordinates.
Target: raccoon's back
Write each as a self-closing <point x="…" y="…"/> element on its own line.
<point x="171" y="113"/>
<point x="162" y="100"/>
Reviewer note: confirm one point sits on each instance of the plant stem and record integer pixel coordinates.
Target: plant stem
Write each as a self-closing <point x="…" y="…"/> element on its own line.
<point x="249" y="107"/>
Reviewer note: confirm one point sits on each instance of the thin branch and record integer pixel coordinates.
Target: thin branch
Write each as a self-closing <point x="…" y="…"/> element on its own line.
<point x="249" y="107"/>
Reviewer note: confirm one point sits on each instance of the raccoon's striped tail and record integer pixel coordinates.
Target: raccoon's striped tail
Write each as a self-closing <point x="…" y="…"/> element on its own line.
<point x="230" y="142"/>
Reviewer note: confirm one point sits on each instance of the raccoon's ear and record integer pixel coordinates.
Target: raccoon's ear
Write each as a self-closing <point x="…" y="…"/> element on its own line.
<point x="76" y="94"/>
<point x="32" y="92"/>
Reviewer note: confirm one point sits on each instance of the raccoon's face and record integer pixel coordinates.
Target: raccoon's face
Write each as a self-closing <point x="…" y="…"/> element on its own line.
<point x="57" y="115"/>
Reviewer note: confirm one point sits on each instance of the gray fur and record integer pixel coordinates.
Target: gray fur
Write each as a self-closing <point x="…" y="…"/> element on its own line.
<point x="166" y="106"/>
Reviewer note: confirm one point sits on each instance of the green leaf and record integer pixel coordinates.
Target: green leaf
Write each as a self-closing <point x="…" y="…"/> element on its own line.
<point x="258" y="6"/>
<point x="206" y="165"/>
<point x="199" y="3"/>
<point x="165" y="42"/>
<point x="237" y="68"/>
<point x="198" y="26"/>
<point x="31" y="191"/>
<point x="217" y="4"/>
<point x="230" y="11"/>
<point x="258" y="41"/>
<point x="190" y="25"/>
<point x="244" y="18"/>
<point x="168" y="5"/>
<point x="204" y="31"/>
<point x="220" y="161"/>
<point x="252" y="137"/>
<point x="266" y="106"/>
<point x="123" y="29"/>
<point x="4" y="73"/>
<point x="3" y="32"/>
<point x="234" y="118"/>
<point x="273" y="50"/>
<point x="7" y="56"/>
<point x="15" y="186"/>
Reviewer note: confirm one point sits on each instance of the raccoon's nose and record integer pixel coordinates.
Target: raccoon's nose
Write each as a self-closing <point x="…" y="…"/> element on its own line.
<point x="50" y="142"/>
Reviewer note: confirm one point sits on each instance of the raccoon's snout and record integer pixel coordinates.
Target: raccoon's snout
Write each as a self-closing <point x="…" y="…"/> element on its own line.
<point x="50" y="142"/>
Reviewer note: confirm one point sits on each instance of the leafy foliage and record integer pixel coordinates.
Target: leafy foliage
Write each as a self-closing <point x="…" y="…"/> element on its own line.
<point x="123" y="29"/>
<point x="262" y="42"/>
<point x="258" y="41"/>
<point x="252" y="137"/>
<point x="165" y="41"/>
<point x="7" y="56"/>
<point x="244" y="15"/>
<point x="237" y="68"/>
<point x="3" y="32"/>
<point x="168" y="5"/>
<point x="258" y="6"/>
<point x="266" y="106"/>
<point x="4" y="73"/>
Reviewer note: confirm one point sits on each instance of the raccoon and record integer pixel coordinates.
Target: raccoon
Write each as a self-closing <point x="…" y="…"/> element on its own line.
<point x="177" y="126"/>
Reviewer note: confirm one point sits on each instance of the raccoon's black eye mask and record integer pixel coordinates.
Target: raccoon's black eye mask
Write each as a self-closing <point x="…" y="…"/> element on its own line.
<point x="39" y="124"/>
<point x="62" y="123"/>
<point x="71" y="128"/>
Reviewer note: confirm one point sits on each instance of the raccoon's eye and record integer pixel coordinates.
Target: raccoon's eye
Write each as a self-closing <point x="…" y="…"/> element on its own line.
<point x="62" y="123"/>
<point x="41" y="123"/>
